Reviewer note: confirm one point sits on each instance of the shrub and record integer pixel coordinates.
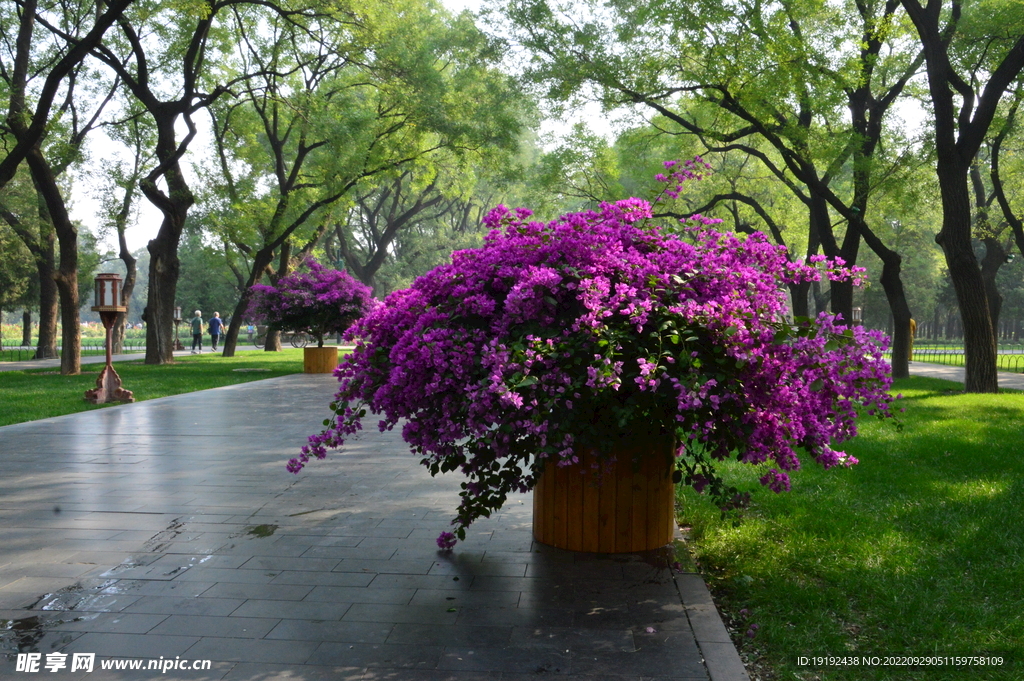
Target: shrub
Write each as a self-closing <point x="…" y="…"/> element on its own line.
<point x="560" y="336"/>
<point x="313" y="299"/>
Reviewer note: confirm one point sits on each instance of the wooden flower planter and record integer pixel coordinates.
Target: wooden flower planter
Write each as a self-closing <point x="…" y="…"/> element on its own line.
<point x="608" y="508"/>
<point x="319" y="360"/>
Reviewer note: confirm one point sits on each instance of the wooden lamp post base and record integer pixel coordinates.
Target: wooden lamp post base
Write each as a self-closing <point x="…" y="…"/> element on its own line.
<point x="108" y="385"/>
<point x="108" y="388"/>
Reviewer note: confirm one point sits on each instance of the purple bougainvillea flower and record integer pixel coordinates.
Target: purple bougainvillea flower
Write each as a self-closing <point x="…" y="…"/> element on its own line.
<point x="555" y="337"/>
<point x="314" y="299"/>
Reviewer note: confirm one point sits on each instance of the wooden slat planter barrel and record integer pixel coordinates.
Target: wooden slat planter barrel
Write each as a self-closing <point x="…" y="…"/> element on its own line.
<point x="319" y="360"/>
<point x="608" y="508"/>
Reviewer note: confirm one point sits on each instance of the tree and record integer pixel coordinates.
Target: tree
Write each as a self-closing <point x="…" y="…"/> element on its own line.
<point x="49" y="144"/>
<point x="159" y="53"/>
<point x="965" y="87"/>
<point x="385" y="210"/>
<point x="26" y="214"/>
<point x="16" y="271"/>
<point x="337" y="104"/>
<point x="818" y="97"/>
<point x="71" y="45"/>
<point x="207" y="281"/>
<point x="119" y="201"/>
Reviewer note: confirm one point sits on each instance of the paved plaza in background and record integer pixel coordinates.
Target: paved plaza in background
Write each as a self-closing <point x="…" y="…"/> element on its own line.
<point x="170" y="528"/>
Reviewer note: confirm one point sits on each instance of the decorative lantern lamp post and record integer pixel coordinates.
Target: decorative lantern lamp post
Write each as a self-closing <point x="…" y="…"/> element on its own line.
<point x="177" y="321"/>
<point x="107" y="301"/>
<point x="858" y="315"/>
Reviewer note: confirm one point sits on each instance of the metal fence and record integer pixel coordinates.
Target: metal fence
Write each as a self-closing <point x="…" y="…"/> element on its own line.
<point x="1010" y="357"/>
<point x="91" y="347"/>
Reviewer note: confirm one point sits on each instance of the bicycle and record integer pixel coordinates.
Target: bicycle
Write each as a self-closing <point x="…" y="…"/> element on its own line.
<point x="298" y="339"/>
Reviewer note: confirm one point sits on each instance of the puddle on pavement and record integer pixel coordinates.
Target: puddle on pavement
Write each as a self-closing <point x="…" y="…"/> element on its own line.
<point x="77" y="597"/>
<point x="25" y="634"/>
<point x="261" y="530"/>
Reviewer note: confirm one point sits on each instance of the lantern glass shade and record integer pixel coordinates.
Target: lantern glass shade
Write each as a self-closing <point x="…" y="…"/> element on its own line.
<point x="108" y="290"/>
<point x="177" y="314"/>
<point x="858" y="315"/>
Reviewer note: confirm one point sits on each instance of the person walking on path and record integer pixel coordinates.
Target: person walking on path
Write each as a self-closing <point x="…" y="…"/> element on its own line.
<point x="197" y="333"/>
<point x="216" y="327"/>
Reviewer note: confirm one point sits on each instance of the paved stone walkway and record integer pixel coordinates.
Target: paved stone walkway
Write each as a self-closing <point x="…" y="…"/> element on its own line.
<point x="171" y="528"/>
<point x="1006" y="379"/>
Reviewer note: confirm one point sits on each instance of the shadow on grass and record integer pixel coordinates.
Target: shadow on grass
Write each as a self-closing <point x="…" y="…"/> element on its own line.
<point x="915" y="551"/>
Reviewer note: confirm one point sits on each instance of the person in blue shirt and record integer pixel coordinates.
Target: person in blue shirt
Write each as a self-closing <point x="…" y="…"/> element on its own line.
<point x="216" y="328"/>
<point x="197" y="333"/>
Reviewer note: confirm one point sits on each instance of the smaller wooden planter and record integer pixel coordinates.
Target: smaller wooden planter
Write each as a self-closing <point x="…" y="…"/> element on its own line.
<point x="319" y="360"/>
<point x="595" y="507"/>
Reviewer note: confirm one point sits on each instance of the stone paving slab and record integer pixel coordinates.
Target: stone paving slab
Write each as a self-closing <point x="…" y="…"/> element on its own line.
<point x="171" y="528"/>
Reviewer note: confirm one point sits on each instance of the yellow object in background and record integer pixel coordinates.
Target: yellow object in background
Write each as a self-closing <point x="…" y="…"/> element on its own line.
<point x="910" y="346"/>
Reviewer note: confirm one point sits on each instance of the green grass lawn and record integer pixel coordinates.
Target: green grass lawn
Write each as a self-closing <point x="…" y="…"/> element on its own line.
<point x="917" y="550"/>
<point x="39" y="394"/>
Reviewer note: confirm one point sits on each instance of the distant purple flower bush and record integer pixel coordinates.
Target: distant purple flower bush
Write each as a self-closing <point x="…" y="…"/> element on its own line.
<point x="558" y="337"/>
<point x="314" y="299"/>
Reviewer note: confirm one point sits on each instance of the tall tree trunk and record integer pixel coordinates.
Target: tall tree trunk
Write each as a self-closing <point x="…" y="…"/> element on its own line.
<point x="71" y="329"/>
<point x="66" y="276"/>
<point x="46" y="343"/>
<point x="164" y="266"/>
<point x="979" y="338"/>
<point x="995" y="257"/>
<point x="273" y="341"/>
<point x="841" y="292"/>
<point x="799" y="294"/>
<point x="41" y="246"/>
<point x="26" y="329"/>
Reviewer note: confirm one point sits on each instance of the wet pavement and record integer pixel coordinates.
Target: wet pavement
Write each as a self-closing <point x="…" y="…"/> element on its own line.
<point x="170" y="528"/>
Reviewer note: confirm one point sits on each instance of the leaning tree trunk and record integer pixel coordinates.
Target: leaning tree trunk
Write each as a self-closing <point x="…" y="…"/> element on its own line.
<point x="260" y="262"/>
<point x="131" y="274"/>
<point x="892" y="284"/>
<point x="274" y="337"/>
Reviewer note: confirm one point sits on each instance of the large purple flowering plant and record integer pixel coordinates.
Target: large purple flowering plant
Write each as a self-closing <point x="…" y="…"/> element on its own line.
<point x="314" y="299"/>
<point x="557" y="337"/>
